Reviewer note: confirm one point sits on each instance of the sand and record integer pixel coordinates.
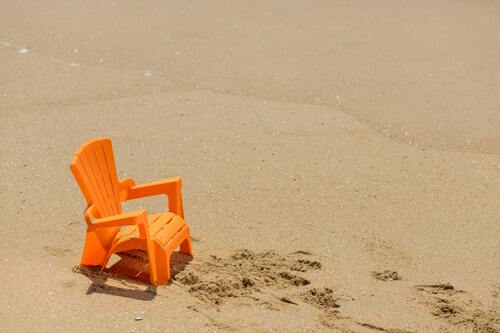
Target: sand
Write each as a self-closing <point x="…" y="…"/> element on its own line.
<point x="340" y="162"/>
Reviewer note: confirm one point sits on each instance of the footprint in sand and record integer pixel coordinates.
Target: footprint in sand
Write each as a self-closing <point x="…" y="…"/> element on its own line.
<point x="268" y="279"/>
<point x="304" y="265"/>
<point x="323" y="298"/>
<point x="386" y="275"/>
<point x="386" y="250"/>
<point x="245" y="273"/>
<point x="68" y="284"/>
<point x="459" y="308"/>
<point x="57" y="251"/>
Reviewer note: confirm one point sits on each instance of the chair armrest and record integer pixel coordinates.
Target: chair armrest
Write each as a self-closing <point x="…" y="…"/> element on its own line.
<point x="138" y="217"/>
<point x="170" y="187"/>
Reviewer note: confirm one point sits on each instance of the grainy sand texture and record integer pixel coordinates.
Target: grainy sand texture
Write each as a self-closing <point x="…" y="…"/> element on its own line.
<point x="340" y="163"/>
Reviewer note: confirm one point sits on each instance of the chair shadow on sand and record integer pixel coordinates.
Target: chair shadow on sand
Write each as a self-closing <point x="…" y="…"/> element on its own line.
<point x="127" y="275"/>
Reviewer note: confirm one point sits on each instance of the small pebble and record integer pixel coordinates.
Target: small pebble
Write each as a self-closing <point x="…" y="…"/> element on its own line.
<point x="148" y="72"/>
<point x="139" y="318"/>
<point x="23" y="50"/>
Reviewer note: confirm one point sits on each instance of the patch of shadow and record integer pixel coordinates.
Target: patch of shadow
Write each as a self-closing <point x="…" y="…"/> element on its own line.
<point x="436" y="288"/>
<point x="127" y="278"/>
<point x="99" y="285"/>
<point x="381" y="329"/>
<point x="287" y="300"/>
<point x="302" y="252"/>
<point x="142" y="295"/>
<point x="387" y="275"/>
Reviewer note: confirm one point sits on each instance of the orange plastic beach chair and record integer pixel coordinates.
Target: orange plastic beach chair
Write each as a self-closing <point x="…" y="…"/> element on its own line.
<point x="109" y="230"/>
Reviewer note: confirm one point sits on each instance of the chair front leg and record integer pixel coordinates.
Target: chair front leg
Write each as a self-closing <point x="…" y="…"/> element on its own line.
<point x="153" y="270"/>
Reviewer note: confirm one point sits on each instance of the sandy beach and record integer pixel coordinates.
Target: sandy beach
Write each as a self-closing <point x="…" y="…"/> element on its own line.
<point x="340" y="162"/>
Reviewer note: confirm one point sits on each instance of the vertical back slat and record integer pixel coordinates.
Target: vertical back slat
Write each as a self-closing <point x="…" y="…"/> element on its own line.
<point x="86" y="184"/>
<point x="104" y="174"/>
<point x="92" y="157"/>
<point x="94" y="169"/>
<point x="88" y="163"/>
<point x="110" y="161"/>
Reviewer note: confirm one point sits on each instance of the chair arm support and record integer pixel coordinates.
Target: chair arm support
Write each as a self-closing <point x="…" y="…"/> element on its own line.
<point x="138" y="217"/>
<point x="89" y="214"/>
<point x="124" y="187"/>
<point x="170" y="187"/>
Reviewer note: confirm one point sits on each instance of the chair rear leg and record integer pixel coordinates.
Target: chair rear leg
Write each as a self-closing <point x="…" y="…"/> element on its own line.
<point x="186" y="245"/>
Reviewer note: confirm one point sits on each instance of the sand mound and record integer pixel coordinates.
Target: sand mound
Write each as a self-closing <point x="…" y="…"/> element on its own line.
<point x="243" y="273"/>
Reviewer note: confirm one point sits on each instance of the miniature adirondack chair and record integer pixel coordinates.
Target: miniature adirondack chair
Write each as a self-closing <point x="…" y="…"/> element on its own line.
<point x="109" y="230"/>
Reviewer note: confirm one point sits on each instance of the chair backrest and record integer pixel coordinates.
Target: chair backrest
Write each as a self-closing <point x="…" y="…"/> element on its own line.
<point x="94" y="169"/>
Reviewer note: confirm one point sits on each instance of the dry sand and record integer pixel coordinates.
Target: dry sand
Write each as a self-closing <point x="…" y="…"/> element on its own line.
<point x="340" y="161"/>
